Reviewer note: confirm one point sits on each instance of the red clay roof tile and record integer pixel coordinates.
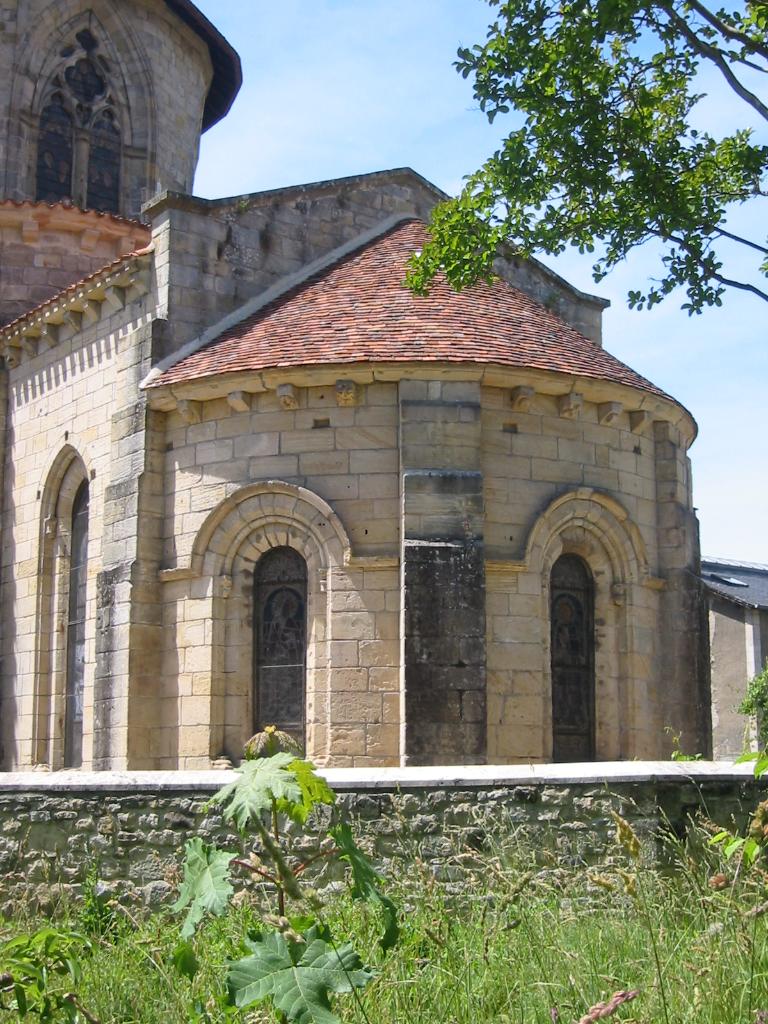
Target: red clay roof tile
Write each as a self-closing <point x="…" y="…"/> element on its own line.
<point x="358" y="310"/>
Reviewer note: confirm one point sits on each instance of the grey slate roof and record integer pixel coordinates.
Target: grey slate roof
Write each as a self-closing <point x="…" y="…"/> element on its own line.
<point x="744" y="583"/>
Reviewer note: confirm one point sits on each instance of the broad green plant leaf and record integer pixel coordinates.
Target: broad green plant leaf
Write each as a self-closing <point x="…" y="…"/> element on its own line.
<point x="259" y="783"/>
<point x="206" y="886"/>
<point x="298" y="978"/>
<point x="314" y="790"/>
<point x="366" y="881"/>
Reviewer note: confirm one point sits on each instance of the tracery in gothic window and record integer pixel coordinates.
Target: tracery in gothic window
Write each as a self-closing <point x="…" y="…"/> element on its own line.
<point x="280" y="641"/>
<point x="80" y="142"/>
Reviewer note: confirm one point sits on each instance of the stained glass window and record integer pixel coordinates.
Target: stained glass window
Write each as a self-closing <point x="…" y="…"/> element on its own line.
<point x="280" y="641"/>
<point x="104" y="164"/>
<point x="573" y="655"/>
<point x="78" y="575"/>
<point x="54" y="152"/>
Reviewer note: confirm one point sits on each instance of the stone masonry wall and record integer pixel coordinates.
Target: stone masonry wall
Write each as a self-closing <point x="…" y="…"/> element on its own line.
<point x="61" y="399"/>
<point x="53" y="828"/>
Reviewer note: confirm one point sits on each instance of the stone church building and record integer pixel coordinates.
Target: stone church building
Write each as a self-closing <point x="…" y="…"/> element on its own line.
<point x="249" y="478"/>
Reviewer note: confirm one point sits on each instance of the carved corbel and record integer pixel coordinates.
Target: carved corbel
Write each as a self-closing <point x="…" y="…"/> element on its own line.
<point x="638" y="420"/>
<point x="522" y="398"/>
<point x="288" y="396"/>
<point x="608" y="412"/>
<point x="570" y="406"/>
<point x="239" y="401"/>
<point x="115" y="298"/>
<point x="346" y="393"/>
<point x="190" y="412"/>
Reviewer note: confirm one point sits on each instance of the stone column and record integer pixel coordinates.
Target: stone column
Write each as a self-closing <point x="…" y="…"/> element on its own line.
<point x="442" y="574"/>
<point x="129" y="628"/>
<point x="684" y="635"/>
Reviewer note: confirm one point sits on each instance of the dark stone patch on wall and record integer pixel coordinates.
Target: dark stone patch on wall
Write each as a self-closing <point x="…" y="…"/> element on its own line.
<point x="107" y="590"/>
<point x="445" y="673"/>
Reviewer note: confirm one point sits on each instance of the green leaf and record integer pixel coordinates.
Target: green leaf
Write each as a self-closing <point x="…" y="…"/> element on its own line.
<point x="760" y="759"/>
<point x="732" y="846"/>
<point x="259" y="783"/>
<point x="314" y="790"/>
<point x="297" y="977"/>
<point x="365" y="882"/>
<point x="184" y="959"/>
<point x="751" y="851"/>
<point x="206" y="886"/>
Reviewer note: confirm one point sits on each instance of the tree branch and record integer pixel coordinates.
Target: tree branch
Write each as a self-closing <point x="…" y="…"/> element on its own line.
<point x="741" y="285"/>
<point x="713" y="54"/>
<point x="742" y="241"/>
<point x="727" y="30"/>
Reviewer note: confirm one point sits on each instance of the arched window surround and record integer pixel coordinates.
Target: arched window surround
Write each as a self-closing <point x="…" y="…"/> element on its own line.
<point x="598" y="529"/>
<point x="66" y="477"/>
<point x="226" y="550"/>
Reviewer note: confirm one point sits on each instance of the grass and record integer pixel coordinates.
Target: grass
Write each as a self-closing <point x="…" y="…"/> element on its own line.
<point x="514" y="937"/>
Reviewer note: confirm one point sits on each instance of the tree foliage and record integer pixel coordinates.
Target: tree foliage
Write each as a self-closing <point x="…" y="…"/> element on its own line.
<point x="609" y="154"/>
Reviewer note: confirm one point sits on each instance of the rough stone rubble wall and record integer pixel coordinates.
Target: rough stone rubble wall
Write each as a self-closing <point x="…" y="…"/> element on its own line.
<point x="49" y="839"/>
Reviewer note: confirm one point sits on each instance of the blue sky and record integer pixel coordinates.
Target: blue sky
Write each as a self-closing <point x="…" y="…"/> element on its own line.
<point x="338" y="87"/>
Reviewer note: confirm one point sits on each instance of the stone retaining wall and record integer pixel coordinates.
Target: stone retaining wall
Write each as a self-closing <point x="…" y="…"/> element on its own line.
<point x="53" y="828"/>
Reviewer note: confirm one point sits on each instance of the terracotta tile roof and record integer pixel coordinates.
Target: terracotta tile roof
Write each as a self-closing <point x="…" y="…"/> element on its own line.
<point x="33" y="204"/>
<point x="358" y="310"/>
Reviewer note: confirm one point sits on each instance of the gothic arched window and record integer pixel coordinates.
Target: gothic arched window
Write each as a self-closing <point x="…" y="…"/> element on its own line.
<point x="76" y="618"/>
<point x="79" y="141"/>
<point x="572" y="617"/>
<point x="280" y="641"/>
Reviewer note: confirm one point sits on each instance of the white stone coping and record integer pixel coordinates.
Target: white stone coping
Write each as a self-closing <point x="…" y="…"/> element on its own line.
<point x="387" y="779"/>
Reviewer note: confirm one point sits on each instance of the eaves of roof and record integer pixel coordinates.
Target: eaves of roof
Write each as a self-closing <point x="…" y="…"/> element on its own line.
<point x="227" y="69"/>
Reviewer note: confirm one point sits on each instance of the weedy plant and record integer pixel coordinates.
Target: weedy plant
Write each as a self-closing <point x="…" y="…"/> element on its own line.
<point x="32" y="968"/>
<point x="755" y="703"/>
<point x="294" y="960"/>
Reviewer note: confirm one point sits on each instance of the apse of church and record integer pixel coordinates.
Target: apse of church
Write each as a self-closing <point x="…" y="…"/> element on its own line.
<point x="250" y="479"/>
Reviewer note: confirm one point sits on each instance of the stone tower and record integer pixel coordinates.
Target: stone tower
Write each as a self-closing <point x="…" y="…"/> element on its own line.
<point x="103" y="105"/>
